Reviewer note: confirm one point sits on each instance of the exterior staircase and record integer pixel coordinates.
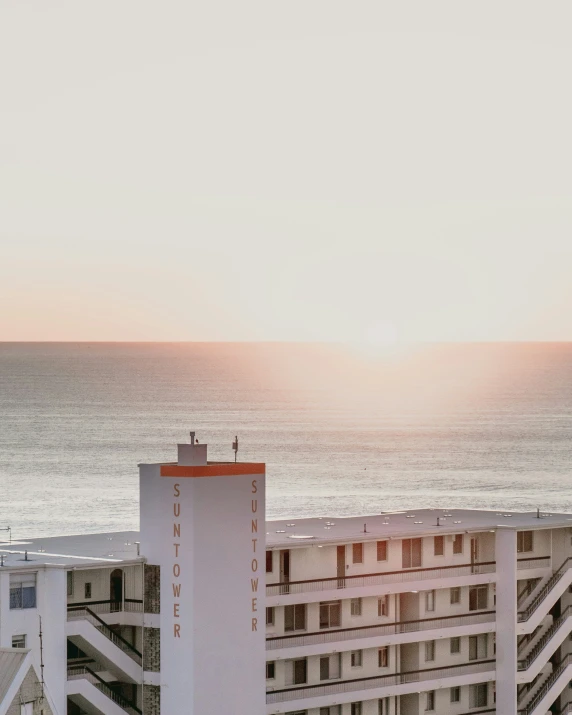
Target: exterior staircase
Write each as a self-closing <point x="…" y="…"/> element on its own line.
<point x="94" y="695"/>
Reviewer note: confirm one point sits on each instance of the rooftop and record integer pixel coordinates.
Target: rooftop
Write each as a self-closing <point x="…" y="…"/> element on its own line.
<point x="87" y="550"/>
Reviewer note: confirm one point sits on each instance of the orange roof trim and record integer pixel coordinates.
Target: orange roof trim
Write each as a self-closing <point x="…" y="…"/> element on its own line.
<point x="213" y="470"/>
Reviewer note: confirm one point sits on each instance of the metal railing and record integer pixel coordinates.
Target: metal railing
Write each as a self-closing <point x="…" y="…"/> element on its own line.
<point x="548" y="683"/>
<point x="544" y="591"/>
<point x="128" y="605"/>
<point x="83" y="672"/>
<point x="525" y="663"/>
<point x="84" y="613"/>
<point x="388" y="629"/>
<point x="350" y="686"/>
<point x="390" y="577"/>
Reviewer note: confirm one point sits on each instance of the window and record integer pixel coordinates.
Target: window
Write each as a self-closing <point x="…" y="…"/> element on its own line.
<point x="478" y="647"/>
<point x="295" y="617"/>
<point x="270" y="670"/>
<point x="429" y="600"/>
<point x="478" y="695"/>
<point x="455" y="595"/>
<point x="430" y="700"/>
<point x="332" y="710"/>
<point x="19" y="641"/>
<point x="383" y="606"/>
<point x="455" y="646"/>
<point x="356" y="658"/>
<point x="455" y="695"/>
<point x="524" y="541"/>
<point x="70" y="582"/>
<point x="439" y="545"/>
<point x="23" y="590"/>
<point x="458" y="544"/>
<point x="355" y="709"/>
<point x="87" y="590"/>
<point x="383" y="706"/>
<point x="270" y="615"/>
<point x="27" y="709"/>
<point x="330" y="614"/>
<point x="355" y="606"/>
<point x="429" y="651"/>
<point x="330" y="667"/>
<point x="411" y="553"/>
<point x="357" y="553"/>
<point x="269" y="559"/>
<point x="478" y="597"/>
<point x="382" y="550"/>
<point x="383" y="657"/>
<point x="296" y="671"/>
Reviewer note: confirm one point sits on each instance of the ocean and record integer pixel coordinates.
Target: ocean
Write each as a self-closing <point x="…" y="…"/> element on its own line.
<point x="344" y="430"/>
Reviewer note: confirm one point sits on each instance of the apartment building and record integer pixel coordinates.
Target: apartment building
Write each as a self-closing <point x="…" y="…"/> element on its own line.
<point x="211" y="609"/>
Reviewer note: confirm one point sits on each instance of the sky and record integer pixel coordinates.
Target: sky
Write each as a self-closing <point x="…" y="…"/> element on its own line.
<point x="373" y="172"/>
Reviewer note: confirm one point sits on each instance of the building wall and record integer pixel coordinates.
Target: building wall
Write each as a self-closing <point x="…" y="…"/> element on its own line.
<point x="30" y="691"/>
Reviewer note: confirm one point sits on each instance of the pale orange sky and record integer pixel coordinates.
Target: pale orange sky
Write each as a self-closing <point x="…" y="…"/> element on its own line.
<point x="285" y="171"/>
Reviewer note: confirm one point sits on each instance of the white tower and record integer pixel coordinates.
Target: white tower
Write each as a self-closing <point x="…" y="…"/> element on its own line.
<point x="203" y="523"/>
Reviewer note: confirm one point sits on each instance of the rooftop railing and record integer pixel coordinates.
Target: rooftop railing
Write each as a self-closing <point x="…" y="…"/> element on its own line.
<point x="83" y="672"/>
<point x="84" y="613"/>
<point x="383" y="681"/>
<point x="401" y="576"/>
<point x="346" y="634"/>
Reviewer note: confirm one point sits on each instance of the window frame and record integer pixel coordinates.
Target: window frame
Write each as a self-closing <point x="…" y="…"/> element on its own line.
<point x="356" y="658"/>
<point x="439" y="550"/>
<point x="383" y="548"/>
<point x="456" y="600"/>
<point x="429" y="651"/>
<point x="383" y="657"/>
<point x="356" y="606"/>
<point x="272" y="665"/>
<point x="357" y="553"/>
<point x="458" y="543"/>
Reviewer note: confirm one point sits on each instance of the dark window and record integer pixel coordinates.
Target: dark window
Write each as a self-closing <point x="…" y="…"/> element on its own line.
<point x="330" y="614"/>
<point x="357" y="553"/>
<point x="458" y="544"/>
<point x="382" y="550"/>
<point x="524" y="541"/>
<point x="23" y="591"/>
<point x="270" y="615"/>
<point x="356" y="658"/>
<point x="455" y="595"/>
<point x="439" y="545"/>
<point x="456" y="695"/>
<point x="430" y="700"/>
<point x="270" y="670"/>
<point x="87" y="590"/>
<point x="478" y="597"/>
<point x="70" y="583"/>
<point x="300" y="671"/>
<point x="383" y="657"/>
<point x="478" y="647"/>
<point x="295" y="617"/>
<point x="455" y="645"/>
<point x="411" y="553"/>
<point x="383" y="606"/>
<point x="355" y="709"/>
<point x="269" y="561"/>
<point x="478" y="695"/>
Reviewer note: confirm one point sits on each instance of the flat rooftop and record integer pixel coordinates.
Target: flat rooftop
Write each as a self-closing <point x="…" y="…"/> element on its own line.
<point x="114" y="547"/>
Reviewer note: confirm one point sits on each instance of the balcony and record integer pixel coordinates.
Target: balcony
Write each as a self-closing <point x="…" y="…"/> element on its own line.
<point x="396" y="577"/>
<point x="412" y="678"/>
<point x="338" y="635"/>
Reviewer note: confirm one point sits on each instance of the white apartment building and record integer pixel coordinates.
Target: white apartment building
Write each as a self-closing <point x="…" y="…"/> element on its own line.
<point x="211" y="610"/>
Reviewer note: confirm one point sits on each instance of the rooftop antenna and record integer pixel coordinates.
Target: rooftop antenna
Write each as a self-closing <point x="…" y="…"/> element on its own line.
<point x="41" y="659"/>
<point x="192" y="437"/>
<point x="537" y="512"/>
<point x="2" y="557"/>
<point x="235" y="446"/>
<point x="365" y="528"/>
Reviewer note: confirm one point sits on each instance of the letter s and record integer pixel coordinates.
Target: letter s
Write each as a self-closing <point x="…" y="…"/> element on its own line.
<point x="177" y="490"/>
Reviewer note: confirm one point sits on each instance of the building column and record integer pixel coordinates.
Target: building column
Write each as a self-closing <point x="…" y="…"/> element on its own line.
<point x="506" y="620"/>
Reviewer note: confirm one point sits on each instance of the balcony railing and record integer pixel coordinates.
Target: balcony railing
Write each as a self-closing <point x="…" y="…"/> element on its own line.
<point x="525" y="663"/>
<point x="389" y="629"/>
<point x="390" y="577"/>
<point x="128" y="605"/>
<point x="525" y="614"/>
<point x="84" y="613"/>
<point x="383" y="681"/>
<point x="83" y="672"/>
<point x="548" y="683"/>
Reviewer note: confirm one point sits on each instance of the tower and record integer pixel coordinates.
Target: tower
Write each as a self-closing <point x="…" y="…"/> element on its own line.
<point x="203" y="524"/>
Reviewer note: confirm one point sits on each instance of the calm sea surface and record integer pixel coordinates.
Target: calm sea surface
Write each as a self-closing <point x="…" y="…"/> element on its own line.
<point x="342" y="431"/>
